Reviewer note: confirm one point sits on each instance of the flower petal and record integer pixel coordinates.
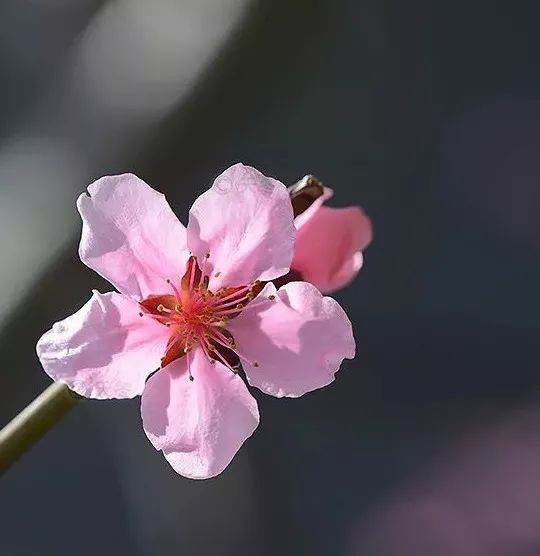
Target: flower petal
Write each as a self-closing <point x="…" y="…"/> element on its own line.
<point x="105" y="349"/>
<point x="199" y="424"/>
<point x="296" y="341"/>
<point x="245" y="222"/>
<point x="328" y="249"/>
<point x="305" y="216"/>
<point x="131" y="236"/>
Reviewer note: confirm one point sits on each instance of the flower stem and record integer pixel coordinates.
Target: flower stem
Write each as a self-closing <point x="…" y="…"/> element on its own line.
<point x="34" y="421"/>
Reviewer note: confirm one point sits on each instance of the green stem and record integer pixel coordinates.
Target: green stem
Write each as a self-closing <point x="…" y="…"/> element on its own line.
<point x="34" y="421"/>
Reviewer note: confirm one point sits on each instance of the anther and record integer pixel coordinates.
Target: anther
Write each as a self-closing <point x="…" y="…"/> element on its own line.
<point x="207" y="255"/>
<point x="160" y="308"/>
<point x="217" y="274"/>
<point x="255" y="364"/>
<point x="239" y="306"/>
<point x="271" y="297"/>
<point x="141" y="314"/>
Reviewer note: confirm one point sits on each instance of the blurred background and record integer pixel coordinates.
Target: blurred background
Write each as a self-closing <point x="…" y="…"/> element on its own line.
<point x="425" y="113"/>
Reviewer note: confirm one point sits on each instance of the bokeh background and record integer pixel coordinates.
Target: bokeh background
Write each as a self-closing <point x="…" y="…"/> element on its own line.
<point x="425" y="113"/>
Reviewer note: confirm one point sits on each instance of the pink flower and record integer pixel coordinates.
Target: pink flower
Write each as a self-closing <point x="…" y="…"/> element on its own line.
<point x="329" y="241"/>
<point x="195" y="303"/>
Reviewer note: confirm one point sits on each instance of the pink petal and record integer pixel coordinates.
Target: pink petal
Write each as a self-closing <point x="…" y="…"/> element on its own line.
<point x="105" y="349"/>
<point x="245" y="222"/>
<point x="303" y="218"/>
<point x="131" y="236"/>
<point x="199" y="424"/>
<point x="298" y="339"/>
<point x="328" y="249"/>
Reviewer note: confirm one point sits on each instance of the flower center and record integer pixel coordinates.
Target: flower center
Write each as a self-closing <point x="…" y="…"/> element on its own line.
<point x="198" y="316"/>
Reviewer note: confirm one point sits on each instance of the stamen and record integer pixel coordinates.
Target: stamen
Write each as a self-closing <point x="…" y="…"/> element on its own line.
<point x="208" y="347"/>
<point x="244" y="295"/>
<point x="220" y="300"/>
<point x="199" y="316"/>
<point x="242" y="300"/>
<point x="226" y="363"/>
<point x="175" y="290"/>
<point x="231" y="311"/>
<point x="208" y="356"/>
<point x="188" y="362"/>
<point x="162" y="309"/>
<point x="162" y="319"/>
<point x="197" y="301"/>
<point x="192" y="273"/>
<point x="224" y="341"/>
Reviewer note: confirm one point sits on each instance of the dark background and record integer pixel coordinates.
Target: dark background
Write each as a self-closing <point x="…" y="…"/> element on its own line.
<point x="425" y="113"/>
